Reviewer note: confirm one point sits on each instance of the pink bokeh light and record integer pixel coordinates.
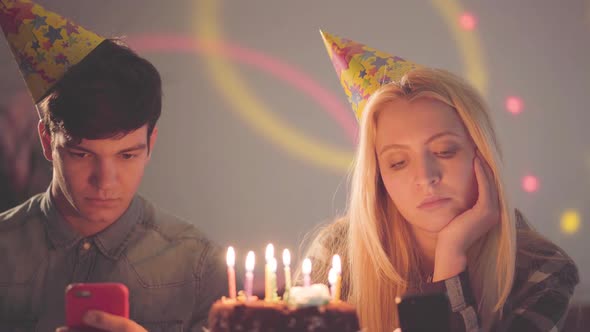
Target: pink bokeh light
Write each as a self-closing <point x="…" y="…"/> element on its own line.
<point x="530" y="183"/>
<point x="468" y="21"/>
<point x="514" y="105"/>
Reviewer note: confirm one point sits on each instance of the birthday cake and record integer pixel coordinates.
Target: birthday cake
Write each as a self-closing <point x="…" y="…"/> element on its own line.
<point x="307" y="309"/>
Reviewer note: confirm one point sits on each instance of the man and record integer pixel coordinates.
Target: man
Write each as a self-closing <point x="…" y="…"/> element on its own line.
<point x="99" y="104"/>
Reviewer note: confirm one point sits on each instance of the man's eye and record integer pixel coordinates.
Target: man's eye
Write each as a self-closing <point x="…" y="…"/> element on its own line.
<point x="79" y="155"/>
<point x="128" y="155"/>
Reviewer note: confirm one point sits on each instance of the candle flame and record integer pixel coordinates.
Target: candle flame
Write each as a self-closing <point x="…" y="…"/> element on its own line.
<point x="286" y="257"/>
<point x="336" y="264"/>
<point x="273" y="265"/>
<point x="332" y="276"/>
<point x="231" y="257"/>
<point x="306" y="267"/>
<point x="250" y="260"/>
<point x="270" y="252"/>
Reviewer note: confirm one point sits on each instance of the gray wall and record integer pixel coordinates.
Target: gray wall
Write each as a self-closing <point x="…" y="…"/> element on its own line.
<point x="215" y="167"/>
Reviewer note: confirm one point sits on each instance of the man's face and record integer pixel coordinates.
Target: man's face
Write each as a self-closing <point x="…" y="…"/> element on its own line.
<point x="96" y="180"/>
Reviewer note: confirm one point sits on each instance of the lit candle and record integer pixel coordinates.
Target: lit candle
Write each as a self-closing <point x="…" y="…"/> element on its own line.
<point x="273" y="278"/>
<point x="250" y="260"/>
<point x="332" y="278"/>
<point x="306" y="270"/>
<point x="231" y="272"/>
<point x="287" y="263"/>
<point x="337" y="267"/>
<point x="270" y="254"/>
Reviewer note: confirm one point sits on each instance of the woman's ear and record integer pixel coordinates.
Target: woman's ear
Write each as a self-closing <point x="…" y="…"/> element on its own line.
<point x="45" y="138"/>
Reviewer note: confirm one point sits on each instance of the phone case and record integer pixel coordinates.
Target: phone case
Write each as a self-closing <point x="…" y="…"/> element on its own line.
<point x="424" y="313"/>
<point x="112" y="298"/>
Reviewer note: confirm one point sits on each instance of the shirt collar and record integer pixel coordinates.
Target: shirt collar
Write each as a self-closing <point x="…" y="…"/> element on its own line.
<point x="111" y="241"/>
<point x="60" y="233"/>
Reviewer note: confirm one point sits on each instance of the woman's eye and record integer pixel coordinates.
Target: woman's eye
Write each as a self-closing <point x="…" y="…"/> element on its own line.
<point x="446" y="153"/>
<point x="397" y="165"/>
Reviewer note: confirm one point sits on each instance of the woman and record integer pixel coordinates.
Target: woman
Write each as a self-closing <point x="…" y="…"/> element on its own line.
<point x="428" y="212"/>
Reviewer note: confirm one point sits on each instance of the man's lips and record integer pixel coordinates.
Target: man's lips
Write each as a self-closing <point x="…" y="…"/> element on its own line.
<point x="102" y="201"/>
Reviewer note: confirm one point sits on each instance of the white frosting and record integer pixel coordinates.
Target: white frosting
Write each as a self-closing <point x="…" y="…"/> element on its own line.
<point x="315" y="295"/>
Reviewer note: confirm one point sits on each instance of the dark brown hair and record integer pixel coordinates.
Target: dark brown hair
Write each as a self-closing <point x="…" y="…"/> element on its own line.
<point x="110" y="93"/>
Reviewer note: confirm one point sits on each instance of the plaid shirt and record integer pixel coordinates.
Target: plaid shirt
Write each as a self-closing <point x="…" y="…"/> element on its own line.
<point x="543" y="285"/>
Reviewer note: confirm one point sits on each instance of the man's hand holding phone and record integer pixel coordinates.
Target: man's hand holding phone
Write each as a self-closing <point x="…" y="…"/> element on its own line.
<point x="106" y="322"/>
<point x="98" y="307"/>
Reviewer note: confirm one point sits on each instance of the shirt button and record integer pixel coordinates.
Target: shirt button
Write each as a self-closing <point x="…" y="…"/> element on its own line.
<point x="86" y="245"/>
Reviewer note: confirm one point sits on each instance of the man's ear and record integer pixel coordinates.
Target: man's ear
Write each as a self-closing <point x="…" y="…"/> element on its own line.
<point x="153" y="138"/>
<point x="45" y="138"/>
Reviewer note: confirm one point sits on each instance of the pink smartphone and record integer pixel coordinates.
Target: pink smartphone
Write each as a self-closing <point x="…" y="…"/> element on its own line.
<point x="112" y="298"/>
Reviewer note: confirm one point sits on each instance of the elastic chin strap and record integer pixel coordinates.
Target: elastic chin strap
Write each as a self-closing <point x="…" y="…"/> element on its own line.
<point x="38" y="112"/>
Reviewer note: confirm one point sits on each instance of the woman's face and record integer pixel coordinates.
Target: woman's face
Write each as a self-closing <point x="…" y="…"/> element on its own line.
<point x="425" y="158"/>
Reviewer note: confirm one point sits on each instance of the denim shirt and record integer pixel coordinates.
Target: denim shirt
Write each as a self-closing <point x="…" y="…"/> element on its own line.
<point x="172" y="271"/>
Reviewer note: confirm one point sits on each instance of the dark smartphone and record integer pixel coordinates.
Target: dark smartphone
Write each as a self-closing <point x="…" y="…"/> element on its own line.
<point x="424" y="313"/>
<point x="112" y="298"/>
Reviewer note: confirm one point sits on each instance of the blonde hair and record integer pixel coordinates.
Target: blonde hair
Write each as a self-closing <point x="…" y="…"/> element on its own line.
<point x="380" y="252"/>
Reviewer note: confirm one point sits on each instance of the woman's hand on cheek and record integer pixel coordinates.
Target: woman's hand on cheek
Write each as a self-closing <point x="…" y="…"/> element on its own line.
<point x="454" y="240"/>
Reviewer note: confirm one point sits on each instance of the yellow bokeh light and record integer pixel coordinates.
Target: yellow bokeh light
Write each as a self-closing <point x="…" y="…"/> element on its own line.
<point x="570" y="222"/>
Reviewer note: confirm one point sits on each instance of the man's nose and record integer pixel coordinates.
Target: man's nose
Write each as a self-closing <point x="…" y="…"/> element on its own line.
<point x="105" y="174"/>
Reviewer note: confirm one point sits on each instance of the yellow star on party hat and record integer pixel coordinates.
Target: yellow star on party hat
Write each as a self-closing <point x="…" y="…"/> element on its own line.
<point x="362" y="70"/>
<point x="43" y="43"/>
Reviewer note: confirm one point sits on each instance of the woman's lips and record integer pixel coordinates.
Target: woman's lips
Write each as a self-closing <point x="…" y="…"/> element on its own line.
<point x="433" y="202"/>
